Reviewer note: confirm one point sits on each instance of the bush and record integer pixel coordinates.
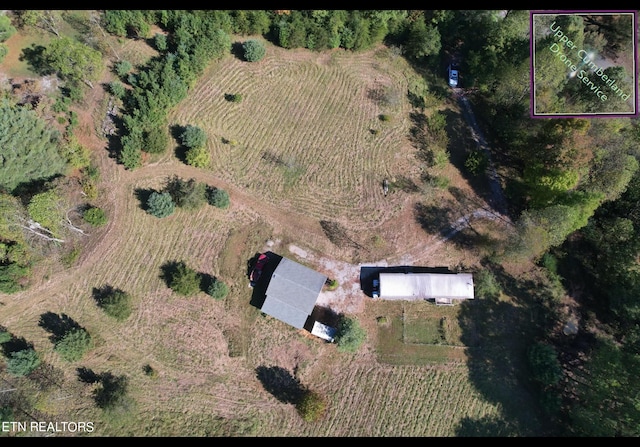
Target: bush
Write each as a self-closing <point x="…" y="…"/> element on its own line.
<point x="254" y="50"/>
<point x="218" y="198"/>
<point x="312" y="406"/>
<point x="74" y="344"/>
<point x="198" y="157"/>
<point x="160" y="204"/>
<point x="486" y="285"/>
<point x="4" y="50"/>
<point x="95" y="216"/>
<point x="384" y="117"/>
<point x="544" y="363"/>
<point x="21" y="363"/>
<point x="477" y="162"/>
<point x="218" y="290"/>
<point x="233" y="97"/>
<point x="185" y="280"/>
<point x="350" y="335"/>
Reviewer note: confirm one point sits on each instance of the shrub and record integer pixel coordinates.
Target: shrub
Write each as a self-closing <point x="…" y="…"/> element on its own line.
<point x="149" y="371"/>
<point x="74" y="344"/>
<point x="4" y="50"/>
<point x="486" y="285"/>
<point x="312" y="406"/>
<point x="21" y="363"/>
<point x="198" y="157"/>
<point x="477" y="162"/>
<point x="254" y="50"/>
<point x="218" y="198"/>
<point x="185" y="280"/>
<point x="160" y="204"/>
<point x="218" y="290"/>
<point x="233" y="97"/>
<point x="544" y="363"/>
<point x="384" y="117"/>
<point x="350" y="335"/>
<point x="95" y="216"/>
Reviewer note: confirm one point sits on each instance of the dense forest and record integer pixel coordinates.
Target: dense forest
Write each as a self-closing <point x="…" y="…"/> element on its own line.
<point x="573" y="183"/>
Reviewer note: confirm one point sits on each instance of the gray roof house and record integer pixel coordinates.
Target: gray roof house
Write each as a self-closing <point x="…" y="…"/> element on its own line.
<point x="292" y="292"/>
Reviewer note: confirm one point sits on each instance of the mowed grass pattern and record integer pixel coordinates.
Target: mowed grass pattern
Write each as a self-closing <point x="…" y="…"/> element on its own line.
<point x="303" y="130"/>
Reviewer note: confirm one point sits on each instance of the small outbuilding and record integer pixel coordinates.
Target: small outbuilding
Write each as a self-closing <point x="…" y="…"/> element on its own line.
<point x="292" y="292"/>
<point x="443" y="288"/>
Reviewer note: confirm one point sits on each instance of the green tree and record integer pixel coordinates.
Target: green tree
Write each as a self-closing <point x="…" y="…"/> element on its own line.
<point x="74" y="61"/>
<point x="156" y="140"/>
<point x="423" y="40"/>
<point x="217" y="289"/>
<point x="6" y="28"/>
<point x="218" y="197"/>
<point x="254" y="50"/>
<point x="160" y="42"/>
<point x="189" y="194"/>
<point x="193" y="136"/>
<point x="160" y="204"/>
<point x="74" y="344"/>
<point x="29" y="147"/>
<point x="350" y="335"/>
<point x="544" y="363"/>
<point x="116" y="303"/>
<point x="22" y="363"/>
<point x="185" y="280"/>
<point x="607" y="391"/>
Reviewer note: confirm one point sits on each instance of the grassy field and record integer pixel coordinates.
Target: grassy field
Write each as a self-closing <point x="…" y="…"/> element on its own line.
<point x="305" y="144"/>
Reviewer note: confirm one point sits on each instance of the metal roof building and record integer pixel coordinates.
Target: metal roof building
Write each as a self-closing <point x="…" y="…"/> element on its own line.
<point x="441" y="287"/>
<point x="292" y="292"/>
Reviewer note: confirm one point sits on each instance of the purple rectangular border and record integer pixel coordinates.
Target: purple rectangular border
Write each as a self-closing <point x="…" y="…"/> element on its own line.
<point x="635" y="64"/>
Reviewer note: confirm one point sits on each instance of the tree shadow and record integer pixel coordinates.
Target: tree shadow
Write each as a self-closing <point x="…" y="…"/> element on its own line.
<point x="15" y="344"/>
<point x="87" y="375"/>
<point x="280" y="383"/>
<point x="34" y="57"/>
<point x="168" y="271"/>
<point x="206" y="281"/>
<point x="433" y="219"/>
<point x="100" y="294"/>
<point x="237" y="50"/>
<point x="180" y="151"/>
<point x="58" y="325"/>
<point x="143" y="194"/>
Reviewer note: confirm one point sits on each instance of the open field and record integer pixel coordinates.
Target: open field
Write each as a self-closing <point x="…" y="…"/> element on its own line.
<point x="303" y="152"/>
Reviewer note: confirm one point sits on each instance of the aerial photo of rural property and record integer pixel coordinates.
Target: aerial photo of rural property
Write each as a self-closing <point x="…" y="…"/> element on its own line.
<point x="319" y="223"/>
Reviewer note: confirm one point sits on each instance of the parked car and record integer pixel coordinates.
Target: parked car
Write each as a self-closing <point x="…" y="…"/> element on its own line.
<point x="453" y="76"/>
<point x="257" y="269"/>
<point x="375" y="291"/>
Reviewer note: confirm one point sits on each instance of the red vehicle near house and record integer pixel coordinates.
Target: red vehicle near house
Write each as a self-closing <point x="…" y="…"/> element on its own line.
<point x="257" y="269"/>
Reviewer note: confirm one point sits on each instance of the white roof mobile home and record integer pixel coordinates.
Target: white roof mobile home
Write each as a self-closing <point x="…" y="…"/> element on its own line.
<point x="441" y="287"/>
